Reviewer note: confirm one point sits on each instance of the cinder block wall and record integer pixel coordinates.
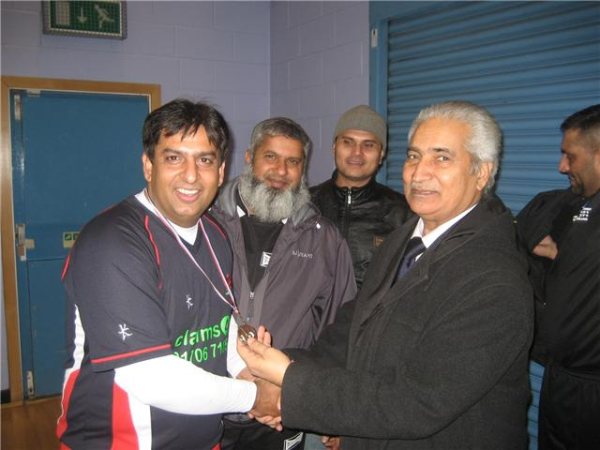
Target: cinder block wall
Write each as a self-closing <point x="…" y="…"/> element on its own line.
<point x="319" y="68"/>
<point x="215" y="51"/>
<point x="306" y="60"/>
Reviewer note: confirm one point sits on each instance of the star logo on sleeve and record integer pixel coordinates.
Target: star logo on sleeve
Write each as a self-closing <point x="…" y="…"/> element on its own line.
<point x="188" y="301"/>
<point x="124" y="331"/>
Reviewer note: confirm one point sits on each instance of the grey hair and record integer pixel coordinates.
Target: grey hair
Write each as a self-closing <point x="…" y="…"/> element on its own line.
<point x="280" y="126"/>
<point x="485" y="140"/>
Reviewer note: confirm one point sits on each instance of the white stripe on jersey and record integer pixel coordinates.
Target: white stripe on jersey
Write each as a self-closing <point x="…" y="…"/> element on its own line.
<point x="142" y="422"/>
<point x="78" y="352"/>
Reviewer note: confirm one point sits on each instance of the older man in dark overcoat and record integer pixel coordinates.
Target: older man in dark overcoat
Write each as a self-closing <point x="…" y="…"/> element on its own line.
<point x="433" y="353"/>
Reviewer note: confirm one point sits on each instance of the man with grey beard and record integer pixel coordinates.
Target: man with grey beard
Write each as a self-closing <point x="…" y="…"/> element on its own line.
<point x="292" y="268"/>
<point x="270" y="204"/>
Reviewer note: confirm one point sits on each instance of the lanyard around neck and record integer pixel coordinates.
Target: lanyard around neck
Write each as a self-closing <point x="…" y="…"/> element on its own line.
<point x="166" y="223"/>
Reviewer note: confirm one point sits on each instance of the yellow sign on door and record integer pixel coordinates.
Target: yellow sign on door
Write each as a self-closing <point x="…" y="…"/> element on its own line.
<point x="69" y="238"/>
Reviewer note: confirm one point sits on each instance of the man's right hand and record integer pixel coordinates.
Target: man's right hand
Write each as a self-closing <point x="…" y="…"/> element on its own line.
<point x="267" y="405"/>
<point x="263" y="361"/>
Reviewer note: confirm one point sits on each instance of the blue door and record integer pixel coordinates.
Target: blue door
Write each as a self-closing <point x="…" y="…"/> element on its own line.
<point x="74" y="154"/>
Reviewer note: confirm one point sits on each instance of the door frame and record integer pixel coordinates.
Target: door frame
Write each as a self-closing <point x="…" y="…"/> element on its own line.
<point x="9" y="263"/>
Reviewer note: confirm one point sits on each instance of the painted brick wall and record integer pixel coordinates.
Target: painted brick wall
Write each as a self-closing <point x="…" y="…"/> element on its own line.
<point x="307" y="60"/>
<point x="213" y="51"/>
<point x="319" y="69"/>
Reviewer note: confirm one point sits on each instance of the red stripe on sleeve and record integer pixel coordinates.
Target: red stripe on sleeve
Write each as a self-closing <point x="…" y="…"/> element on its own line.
<point x="124" y="434"/>
<point x="130" y="354"/>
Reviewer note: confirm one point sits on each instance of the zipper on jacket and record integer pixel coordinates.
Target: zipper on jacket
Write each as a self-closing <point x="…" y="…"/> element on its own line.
<point x="344" y="213"/>
<point x="250" y="314"/>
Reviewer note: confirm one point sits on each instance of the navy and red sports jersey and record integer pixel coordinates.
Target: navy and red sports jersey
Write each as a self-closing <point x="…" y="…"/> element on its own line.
<point x="133" y="294"/>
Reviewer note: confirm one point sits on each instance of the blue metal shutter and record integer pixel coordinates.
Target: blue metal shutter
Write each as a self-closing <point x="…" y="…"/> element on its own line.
<point x="530" y="63"/>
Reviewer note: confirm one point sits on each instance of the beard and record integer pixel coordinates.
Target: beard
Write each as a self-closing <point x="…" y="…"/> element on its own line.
<point x="269" y="204"/>
<point x="576" y="186"/>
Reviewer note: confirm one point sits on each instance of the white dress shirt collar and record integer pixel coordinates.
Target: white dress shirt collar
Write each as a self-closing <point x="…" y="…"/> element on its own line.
<point x="434" y="234"/>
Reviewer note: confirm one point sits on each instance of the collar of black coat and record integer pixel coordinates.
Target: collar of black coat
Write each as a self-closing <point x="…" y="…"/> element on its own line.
<point x="357" y="194"/>
<point x="489" y="212"/>
<point x="490" y="218"/>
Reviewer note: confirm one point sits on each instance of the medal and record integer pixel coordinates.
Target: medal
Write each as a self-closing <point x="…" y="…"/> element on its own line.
<point x="245" y="330"/>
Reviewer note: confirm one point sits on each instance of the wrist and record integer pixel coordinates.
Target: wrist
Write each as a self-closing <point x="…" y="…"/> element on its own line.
<point x="284" y="371"/>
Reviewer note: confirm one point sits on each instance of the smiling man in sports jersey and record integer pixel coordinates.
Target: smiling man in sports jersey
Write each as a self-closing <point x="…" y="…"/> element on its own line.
<point x="149" y="302"/>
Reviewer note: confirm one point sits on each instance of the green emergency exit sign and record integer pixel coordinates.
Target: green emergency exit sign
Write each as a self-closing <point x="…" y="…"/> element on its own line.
<point x="106" y="19"/>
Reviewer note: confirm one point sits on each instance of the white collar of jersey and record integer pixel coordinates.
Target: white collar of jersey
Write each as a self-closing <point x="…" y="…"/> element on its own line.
<point x="187" y="234"/>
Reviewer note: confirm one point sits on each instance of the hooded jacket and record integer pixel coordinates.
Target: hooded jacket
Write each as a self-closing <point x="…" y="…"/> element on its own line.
<point x="364" y="216"/>
<point x="308" y="278"/>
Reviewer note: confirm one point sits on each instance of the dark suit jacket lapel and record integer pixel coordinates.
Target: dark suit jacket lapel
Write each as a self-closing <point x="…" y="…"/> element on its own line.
<point x="381" y="274"/>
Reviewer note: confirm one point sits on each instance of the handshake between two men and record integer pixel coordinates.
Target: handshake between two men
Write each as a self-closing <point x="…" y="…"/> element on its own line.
<point x="268" y="365"/>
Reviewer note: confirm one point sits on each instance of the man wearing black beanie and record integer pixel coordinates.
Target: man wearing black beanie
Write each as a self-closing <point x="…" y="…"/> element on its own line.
<point x="364" y="210"/>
